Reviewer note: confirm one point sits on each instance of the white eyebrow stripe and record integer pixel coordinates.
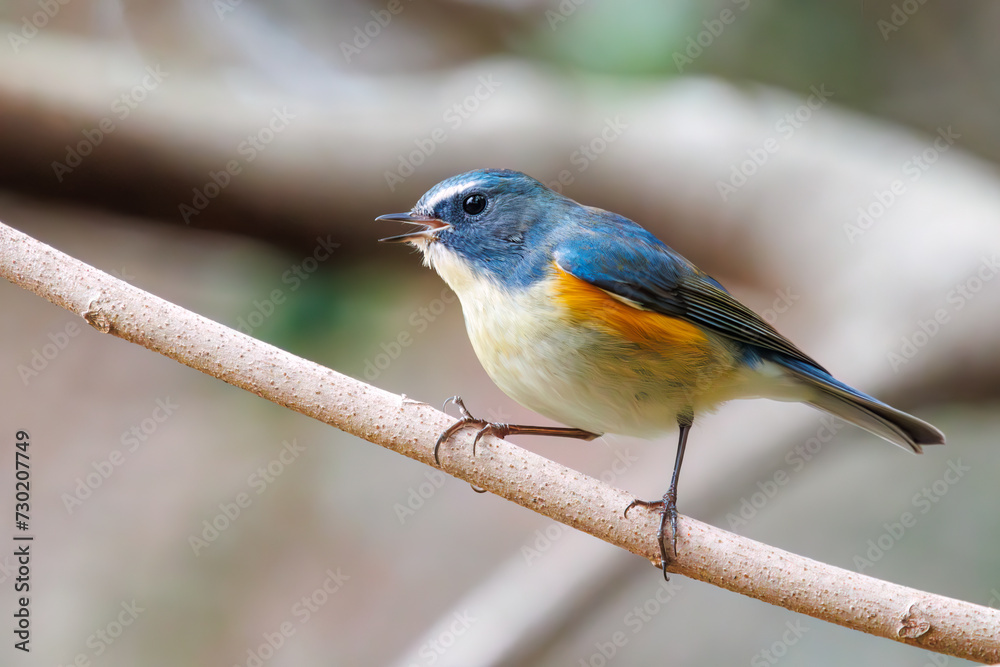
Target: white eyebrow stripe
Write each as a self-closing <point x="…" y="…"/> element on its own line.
<point x="449" y="192"/>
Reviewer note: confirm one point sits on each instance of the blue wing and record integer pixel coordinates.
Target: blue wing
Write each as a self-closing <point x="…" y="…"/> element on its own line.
<point x="620" y="257"/>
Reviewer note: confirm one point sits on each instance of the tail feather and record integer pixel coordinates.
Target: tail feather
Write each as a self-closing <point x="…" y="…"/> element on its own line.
<point x="871" y="414"/>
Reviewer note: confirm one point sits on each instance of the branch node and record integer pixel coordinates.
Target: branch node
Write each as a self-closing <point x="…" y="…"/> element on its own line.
<point x="914" y="623"/>
<point x="96" y="317"/>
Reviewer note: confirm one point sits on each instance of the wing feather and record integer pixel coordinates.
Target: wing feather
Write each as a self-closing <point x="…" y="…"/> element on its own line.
<point x="629" y="262"/>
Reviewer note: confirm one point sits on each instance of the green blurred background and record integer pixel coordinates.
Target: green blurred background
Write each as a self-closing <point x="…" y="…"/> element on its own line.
<point x="834" y="164"/>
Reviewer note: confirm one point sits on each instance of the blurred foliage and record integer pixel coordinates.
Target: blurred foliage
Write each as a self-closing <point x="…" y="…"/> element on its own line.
<point x="854" y="47"/>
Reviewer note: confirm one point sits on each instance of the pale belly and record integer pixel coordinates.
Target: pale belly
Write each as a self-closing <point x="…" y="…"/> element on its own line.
<point x="585" y="378"/>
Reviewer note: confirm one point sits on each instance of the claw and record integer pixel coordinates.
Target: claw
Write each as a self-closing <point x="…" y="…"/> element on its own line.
<point x="463" y="421"/>
<point x="667" y="511"/>
<point x="464" y="411"/>
<point x="496" y="430"/>
<point x="642" y="503"/>
<point x="445" y="435"/>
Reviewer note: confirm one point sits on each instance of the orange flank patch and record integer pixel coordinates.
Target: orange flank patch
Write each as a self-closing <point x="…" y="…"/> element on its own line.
<point x="594" y="307"/>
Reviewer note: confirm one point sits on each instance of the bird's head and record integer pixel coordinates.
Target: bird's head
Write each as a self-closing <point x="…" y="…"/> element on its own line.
<point x="486" y="222"/>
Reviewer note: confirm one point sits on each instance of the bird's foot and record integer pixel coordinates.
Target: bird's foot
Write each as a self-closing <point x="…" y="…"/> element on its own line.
<point x="668" y="511"/>
<point x="494" y="429"/>
<point x="500" y="430"/>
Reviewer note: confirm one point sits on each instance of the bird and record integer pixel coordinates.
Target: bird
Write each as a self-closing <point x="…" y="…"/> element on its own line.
<point x="585" y="317"/>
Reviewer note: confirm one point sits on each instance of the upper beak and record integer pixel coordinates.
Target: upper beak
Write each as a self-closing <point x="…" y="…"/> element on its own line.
<point x="429" y="226"/>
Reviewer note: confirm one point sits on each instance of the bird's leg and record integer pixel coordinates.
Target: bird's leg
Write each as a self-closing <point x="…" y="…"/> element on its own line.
<point x="502" y="430"/>
<point x="668" y="505"/>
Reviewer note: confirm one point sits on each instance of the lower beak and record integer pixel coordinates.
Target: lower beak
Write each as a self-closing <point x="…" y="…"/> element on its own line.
<point x="430" y="226"/>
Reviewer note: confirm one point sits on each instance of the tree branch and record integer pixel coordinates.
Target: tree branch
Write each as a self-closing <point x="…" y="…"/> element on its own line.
<point x="410" y="428"/>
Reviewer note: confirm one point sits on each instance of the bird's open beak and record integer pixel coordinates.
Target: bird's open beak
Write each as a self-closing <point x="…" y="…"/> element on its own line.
<point x="429" y="226"/>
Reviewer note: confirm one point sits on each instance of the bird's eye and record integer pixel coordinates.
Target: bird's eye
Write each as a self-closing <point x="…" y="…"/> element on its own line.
<point x="474" y="204"/>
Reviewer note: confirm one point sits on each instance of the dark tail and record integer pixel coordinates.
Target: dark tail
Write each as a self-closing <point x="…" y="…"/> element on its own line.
<point x="871" y="414"/>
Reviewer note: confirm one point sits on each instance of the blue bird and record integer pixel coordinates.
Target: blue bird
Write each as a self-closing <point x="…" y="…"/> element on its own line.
<point x="585" y="317"/>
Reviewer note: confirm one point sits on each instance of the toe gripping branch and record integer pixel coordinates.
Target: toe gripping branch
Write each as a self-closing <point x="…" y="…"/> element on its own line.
<point x="500" y="430"/>
<point x="667" y="506"/>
